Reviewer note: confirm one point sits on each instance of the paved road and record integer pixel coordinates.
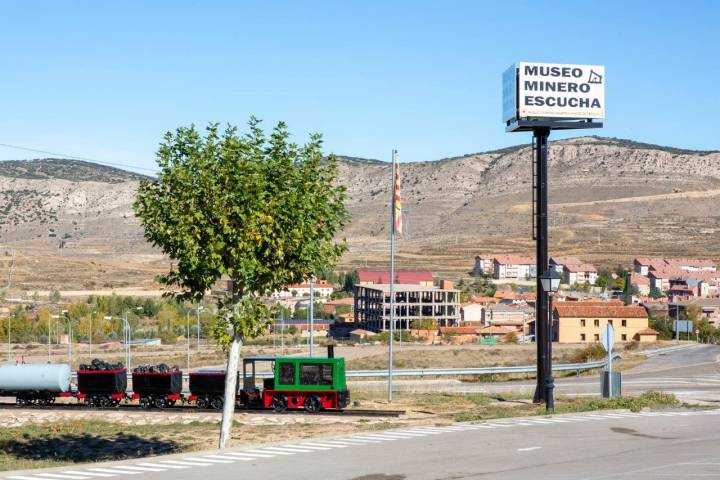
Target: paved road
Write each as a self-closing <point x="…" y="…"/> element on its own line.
<point x="673" y="444"/>
<point x="690" y="373"/>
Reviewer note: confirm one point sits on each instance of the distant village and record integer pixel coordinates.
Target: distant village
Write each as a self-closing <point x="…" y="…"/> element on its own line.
<point x="496" y="303"/>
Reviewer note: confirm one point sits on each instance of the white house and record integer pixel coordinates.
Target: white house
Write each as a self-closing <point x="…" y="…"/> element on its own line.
<point x="321" y="289"/>
<point x="582" y="273"/>
<point x="513" y="267"/>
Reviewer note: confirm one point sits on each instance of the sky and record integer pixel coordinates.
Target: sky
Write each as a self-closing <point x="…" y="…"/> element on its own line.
<point x="106" y="80"/>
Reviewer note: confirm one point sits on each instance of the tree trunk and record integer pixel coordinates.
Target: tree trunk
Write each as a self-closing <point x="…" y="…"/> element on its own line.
<point x="230" y="391"/>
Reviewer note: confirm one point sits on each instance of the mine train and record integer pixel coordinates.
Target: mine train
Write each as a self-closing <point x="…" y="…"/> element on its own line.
<point x="297" y="383"/>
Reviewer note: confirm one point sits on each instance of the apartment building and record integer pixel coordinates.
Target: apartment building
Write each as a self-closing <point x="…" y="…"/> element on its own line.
<point x="412" y="302"/>
<point x="514" y="267"/>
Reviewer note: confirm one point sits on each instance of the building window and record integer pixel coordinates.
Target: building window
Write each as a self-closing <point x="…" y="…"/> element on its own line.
<point x="582" y="322"/>
<point x="582" y="337"/>
<point x="597" y="337"/>
<point x="624" y="323"/>
<point x="610" y="322"/>
<point x="596" y="322"/>
<point x="623" y="337"/>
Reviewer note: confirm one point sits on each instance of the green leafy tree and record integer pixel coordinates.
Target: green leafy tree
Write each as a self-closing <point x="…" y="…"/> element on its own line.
<point x="351" y="279"/>
<point x="655" y="292"/>
<point x="261" y="210"/>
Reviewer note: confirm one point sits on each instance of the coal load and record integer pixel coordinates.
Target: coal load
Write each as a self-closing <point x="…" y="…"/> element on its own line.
<point x="157" y="380"/>
<point x="159" y="368"/>
<point x="97" y="365"/>
<point x="102" y="378"/>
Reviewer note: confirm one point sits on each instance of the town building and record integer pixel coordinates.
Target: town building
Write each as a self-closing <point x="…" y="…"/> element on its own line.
<point x="580" y="273"/>
<point x="321" y="289"/>
<point x="709" y="309"/>
<point x="412" y="302"/>
<point x="558" y="263"/>
<point x="576" y="322"/>
<point x="640" y="282"/>
<point x="513" y="267"/>
<point x="409" y="277"/>
<point x="483" y="265"/>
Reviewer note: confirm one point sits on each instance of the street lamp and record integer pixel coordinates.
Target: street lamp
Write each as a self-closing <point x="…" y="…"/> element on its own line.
<point x="198" y="310"/>
<point x="550" y="282"/>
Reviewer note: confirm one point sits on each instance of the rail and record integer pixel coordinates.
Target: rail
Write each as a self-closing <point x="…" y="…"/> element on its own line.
<point x="429" y="372"/>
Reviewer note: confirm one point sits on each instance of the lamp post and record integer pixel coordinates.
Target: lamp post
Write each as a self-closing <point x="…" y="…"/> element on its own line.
<point x="311" y="314"/>
<point x="187" y="317"/>
<point x="550" y="280"/>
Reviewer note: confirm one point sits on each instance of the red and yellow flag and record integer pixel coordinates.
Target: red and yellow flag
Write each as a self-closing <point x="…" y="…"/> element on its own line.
<point x="397" y="204"/>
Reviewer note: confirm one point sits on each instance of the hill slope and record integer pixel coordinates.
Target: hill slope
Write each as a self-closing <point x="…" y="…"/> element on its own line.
<point x="610" y="199"/>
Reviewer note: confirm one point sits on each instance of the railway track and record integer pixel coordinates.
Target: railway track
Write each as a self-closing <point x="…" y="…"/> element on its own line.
<point x="186" y="409"/>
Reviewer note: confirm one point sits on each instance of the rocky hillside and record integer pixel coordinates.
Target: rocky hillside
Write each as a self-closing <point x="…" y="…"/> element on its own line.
<point x="610" y="199"/>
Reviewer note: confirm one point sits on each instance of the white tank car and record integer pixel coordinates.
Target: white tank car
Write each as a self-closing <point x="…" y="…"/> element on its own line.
<point x="28" y="377"/>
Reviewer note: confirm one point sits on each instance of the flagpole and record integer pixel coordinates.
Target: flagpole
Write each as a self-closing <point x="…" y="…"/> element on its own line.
<point x="392" y="280"/>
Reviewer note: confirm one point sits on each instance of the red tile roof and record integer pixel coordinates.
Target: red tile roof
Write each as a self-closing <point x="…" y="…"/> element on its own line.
<point x="610" y="311"/>
<point x="581" y="267"/>
<point x="514" y="260"/>
<point x="401" y="276"/>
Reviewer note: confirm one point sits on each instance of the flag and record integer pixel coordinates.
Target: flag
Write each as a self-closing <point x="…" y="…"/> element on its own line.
<point x="397" y="204"/>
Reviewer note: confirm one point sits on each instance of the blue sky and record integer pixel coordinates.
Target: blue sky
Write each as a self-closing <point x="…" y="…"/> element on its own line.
<point x="105" y="80"/>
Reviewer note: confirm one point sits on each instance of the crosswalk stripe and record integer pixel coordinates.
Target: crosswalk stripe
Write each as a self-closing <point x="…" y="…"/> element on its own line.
<point x="162" y="466"/>
<point x="20" y="477"/>
<point x="209" y="460"/>
<point x="222" y="458"/>
<point x="357" y="441"/>
<point x="92" y="474"/>
<point x="287" y="450"/>
<point x="58" y="475"/>
<point x="375" y="437"/>
<point x="325" y="444"/>
<point x="405" y="435"/>
<point x="113" y="470"/>
<point x="252" y="454"/>
<point x="306" y="446"/>
<point x="144" y="469"/>
<point x="189" y="464"/>
<point x="274" y="451"/>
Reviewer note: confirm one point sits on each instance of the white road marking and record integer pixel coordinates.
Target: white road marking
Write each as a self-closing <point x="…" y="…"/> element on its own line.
<point x="325" y="444"/>
<point x="144" y="469"/>
<point x="374" y="437"/>
<point x="274" y="451"/>
<point x="114" y="470"/>
<point x="356" y="441"/>
<point x="57" y="475"/>
<point x="306" y="446"/>
<point x="161" y="466"/>
<point x="264" y="454"/>
<point x="92" y="474"/>
<point x="289" y="449"/>
<point x="20" y="477"/>
<point x="217" y="458"/>
<point x="206" y="459"/>
<point x="528" y="449"/>
<point x="189" y="464"/>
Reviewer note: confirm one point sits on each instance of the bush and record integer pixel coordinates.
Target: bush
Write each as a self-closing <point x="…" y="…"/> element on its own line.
<point x="511" y="338"/>
<point x="594" y="351"/>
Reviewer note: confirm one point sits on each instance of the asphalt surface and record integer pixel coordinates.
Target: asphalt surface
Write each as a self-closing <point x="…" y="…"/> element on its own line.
<point x="599" y="445"/>
<point x="691" y="373"/>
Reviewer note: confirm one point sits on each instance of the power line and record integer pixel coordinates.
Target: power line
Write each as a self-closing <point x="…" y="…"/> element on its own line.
<point x="74" y="157"/>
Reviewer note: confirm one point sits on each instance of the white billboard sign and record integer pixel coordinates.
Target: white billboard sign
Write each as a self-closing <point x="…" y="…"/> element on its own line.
<point x="553" y="91"/>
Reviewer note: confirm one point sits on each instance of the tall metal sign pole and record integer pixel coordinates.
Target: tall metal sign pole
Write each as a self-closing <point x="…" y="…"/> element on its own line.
<point x="539" y="98"/>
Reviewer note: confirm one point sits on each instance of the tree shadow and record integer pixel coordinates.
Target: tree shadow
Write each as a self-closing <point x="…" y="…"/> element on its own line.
<point x="87" y="447"/>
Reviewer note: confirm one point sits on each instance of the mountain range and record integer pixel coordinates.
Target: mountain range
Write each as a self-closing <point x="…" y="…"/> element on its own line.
<point x="70" y="223"/>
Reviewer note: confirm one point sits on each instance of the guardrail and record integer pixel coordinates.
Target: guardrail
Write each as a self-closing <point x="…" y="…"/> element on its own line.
<point x="428" y="372"/>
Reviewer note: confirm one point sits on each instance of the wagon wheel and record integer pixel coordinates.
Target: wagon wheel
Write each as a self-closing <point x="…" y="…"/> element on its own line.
<point x="217" y="403"/>
<point x="279" y="403"/>
<point x="161" y="402"/>
<point x="104" y="402"/>
<point x="49" y="400"/>
<point x="312" y="404"/>
<point x="202" y="403"/>
<point x="20" y="402"/>
<point x="145" y="403"/>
